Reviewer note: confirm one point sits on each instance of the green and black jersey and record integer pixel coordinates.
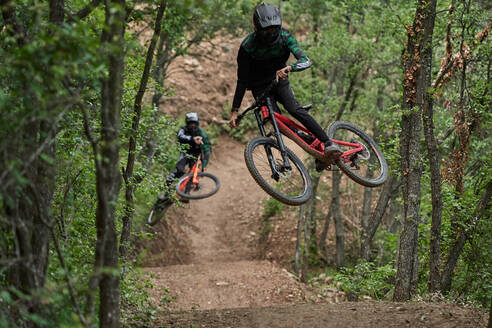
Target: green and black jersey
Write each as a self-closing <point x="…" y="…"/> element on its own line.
<point x="185" y="136"/>
<point x="257" y="64"/>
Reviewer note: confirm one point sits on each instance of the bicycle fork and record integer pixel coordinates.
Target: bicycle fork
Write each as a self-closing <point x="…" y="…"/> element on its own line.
<point x="285" y="167"/>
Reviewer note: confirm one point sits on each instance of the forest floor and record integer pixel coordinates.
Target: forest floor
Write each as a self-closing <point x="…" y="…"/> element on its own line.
<point x="213" y="264"/>
<point x="222" y="281"/>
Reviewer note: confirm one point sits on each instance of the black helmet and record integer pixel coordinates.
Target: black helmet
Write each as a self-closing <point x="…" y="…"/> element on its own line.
<point x="191" y="117"/>
<point x="267" y="21"/>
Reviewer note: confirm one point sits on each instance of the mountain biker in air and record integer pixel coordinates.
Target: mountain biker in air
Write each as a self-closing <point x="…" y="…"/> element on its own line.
<point x="261" y="58"/>
<point x="193" y="136"/>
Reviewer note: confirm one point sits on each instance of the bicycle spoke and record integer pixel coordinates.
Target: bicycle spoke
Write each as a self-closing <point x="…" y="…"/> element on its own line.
<point x="361" y="160"/>
<point x="291" y="186"/>
<point x="206" y="186"/>
<point x="364" y="161"/>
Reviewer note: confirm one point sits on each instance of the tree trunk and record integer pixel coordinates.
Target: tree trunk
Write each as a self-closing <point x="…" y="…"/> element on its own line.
<point x="307" y="238"/>
<point x="311" y="211"/>
<point x="27" y="204"/>
<point x="417" y="65"/>
<point x="394" y="213"/>
<point x="108" y="179"/>
<point x="337" y="218"/>
<point x="490" y="314"/>
<point x="348" y="94"/>
<point x="137" y="109"/>
<point x="366" y="214"/>
<point x="374" y="221"/>
<point x="299" y="250"/>
<point x="435" y="172"/>
<point x="366" y="204"/>
<point x="324" y="233"/>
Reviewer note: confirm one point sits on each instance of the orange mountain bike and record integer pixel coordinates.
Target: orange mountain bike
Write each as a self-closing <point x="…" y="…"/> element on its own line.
<point x="282" y="174"/>
<point x="197" y="184"/>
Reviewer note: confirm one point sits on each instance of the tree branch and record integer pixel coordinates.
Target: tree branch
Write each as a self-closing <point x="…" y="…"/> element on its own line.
<point x="67" y="279"/>
<point x="84" y="12"/>
<point x="449" y="65"/>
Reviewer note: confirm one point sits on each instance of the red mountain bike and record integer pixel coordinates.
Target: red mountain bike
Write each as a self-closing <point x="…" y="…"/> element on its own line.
<point x="282" y="174"/>
<point x="197" y="184"/>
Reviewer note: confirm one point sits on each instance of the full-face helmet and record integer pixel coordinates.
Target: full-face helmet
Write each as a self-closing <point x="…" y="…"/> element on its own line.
<point x="268" y="23"/>
<point x="191" y="117"/>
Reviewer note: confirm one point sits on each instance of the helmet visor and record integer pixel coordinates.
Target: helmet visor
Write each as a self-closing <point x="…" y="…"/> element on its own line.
<point x="269" y="34"/>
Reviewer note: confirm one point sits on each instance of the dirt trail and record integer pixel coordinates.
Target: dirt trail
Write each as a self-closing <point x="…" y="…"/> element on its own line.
<point x="325" y="315"/>
<point x="222" y="270"/>
<point x="223" y="283"/>
<point x="222" y="221"/>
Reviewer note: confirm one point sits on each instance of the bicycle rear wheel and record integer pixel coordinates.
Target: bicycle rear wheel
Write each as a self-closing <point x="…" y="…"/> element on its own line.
<point x="367" y="167"/>
<point x="292" y="187"/>
<point x="158" y="210"/>
<point x="207" y="185"/>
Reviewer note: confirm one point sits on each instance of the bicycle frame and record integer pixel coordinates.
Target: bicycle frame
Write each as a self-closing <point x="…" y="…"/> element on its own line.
<point x="196" y="168"/>
<point x="283" y="124"/>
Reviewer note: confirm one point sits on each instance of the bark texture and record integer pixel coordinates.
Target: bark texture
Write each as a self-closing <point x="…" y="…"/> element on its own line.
<point x="108" y="179"/>
<point x="417" y="64"/>
<point x="337" y="219"/>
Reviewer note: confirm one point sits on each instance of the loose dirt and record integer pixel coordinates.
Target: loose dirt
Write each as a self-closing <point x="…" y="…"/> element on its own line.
<point x="348" y="314"/>
<point x="223" y="269"/>
<point x="207" y="261"/>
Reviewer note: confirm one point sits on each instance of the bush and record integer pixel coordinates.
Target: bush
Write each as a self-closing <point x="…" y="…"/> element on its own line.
<point x="271" y="207"/>
<point x="366" y="279"/>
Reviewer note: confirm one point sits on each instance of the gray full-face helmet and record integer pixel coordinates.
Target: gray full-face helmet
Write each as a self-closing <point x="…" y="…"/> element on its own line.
<point x="268" y="23"/>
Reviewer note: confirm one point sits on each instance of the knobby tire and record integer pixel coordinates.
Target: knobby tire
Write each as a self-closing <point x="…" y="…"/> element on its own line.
<point x="339" y="126"/>
<point x="206" y="179"/>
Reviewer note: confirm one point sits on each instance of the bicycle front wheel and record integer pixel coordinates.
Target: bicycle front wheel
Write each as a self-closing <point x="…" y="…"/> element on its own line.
<point x="264" y="161"/>
<point x="368" y="166"/>
<point x="206" y="186"/>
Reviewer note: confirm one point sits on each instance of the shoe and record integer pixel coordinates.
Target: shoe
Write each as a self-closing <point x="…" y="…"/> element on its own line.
<point x="332" y="151"/>
<point x="163" y="197"/>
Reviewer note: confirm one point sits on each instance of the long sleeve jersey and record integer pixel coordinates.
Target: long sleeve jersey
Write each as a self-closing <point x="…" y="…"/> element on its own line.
<point x="257" y="65"/>
<point x="186" y="137"/>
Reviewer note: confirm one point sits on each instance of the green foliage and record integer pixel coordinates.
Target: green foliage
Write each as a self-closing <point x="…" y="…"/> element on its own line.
<point x="367" y="279"/>
<point x="241" y="132"/>
<point x="136" y="305"/>
<point x="16" y="308"/>
<point x="271" y="207"/>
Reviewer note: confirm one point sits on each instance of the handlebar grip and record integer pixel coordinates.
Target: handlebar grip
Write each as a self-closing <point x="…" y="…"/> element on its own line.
<point x="239" y="118"/>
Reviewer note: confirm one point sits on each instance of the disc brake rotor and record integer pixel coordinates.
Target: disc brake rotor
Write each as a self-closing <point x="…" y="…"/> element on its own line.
<point x="282" y="172"/>
<point x="363" y="154"/>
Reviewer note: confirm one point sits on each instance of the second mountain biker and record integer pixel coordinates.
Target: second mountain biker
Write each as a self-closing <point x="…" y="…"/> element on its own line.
<point x="196" y="139"/>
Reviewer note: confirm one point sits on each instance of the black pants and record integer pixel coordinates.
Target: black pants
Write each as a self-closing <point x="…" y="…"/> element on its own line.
<point x="283" y="93"/>
<point x="179" y="171"/>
